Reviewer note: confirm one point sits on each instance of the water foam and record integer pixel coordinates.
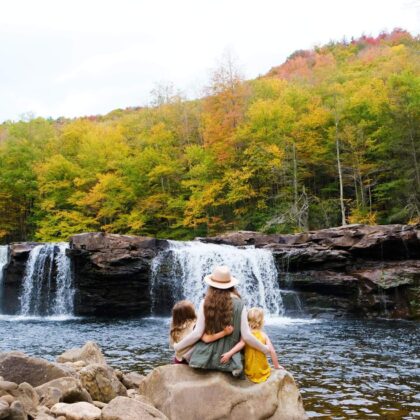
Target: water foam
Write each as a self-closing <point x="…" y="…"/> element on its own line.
<point x="178" y="273"/>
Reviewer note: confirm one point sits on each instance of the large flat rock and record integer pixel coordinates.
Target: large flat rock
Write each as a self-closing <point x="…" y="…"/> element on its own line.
<point x="181" y="392"/>
<point x="18" y="367"/>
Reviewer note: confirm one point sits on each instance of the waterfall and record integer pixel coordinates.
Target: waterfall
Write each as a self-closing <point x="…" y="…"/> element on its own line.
<point x="47" y="285"/>
<point x="4" y="259"/>
<point x="178" y="272"/>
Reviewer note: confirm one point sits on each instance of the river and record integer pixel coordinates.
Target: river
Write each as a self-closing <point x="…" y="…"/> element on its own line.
<point x="346" y="369"/>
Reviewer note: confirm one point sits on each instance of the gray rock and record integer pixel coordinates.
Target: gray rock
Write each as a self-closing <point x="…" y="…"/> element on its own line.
<point x="17" y="367"/>
<point x="71" y="390"/>
<point x="189" y="394"/>
<point x="124" y="408"/>
<point x="4" y="409"/>
<point x="132" y="379"/>
<point x="7" y="386"/>
<point x="27" y="396"/>
<point x="101" y="382"/>
<point x="77" y="411"/>
<point x="51" y="397"/>
<point x="17" y="412"/>
<point x="89" y="353"/>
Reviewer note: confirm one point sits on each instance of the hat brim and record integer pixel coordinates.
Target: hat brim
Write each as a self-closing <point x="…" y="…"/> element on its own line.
<point x="219" y="285"/>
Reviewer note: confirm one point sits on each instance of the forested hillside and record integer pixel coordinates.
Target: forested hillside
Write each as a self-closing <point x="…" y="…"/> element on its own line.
<point x="330" y="136"/>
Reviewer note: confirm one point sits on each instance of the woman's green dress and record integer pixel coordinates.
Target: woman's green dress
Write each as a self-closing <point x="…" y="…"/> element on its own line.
<point x="207" y="356"/>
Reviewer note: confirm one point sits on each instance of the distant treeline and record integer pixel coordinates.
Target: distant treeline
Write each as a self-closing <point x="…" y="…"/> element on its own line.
<point x="329" y="137"/>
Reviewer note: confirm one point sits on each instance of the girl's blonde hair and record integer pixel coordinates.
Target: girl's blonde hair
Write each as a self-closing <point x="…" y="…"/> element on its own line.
<point x="256" y="318"/>
<point x="183" y="313"/>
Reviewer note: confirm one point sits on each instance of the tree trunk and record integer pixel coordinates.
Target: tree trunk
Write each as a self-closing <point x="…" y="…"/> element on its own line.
<point x="295" y="180"/>
<point x="414" y="153"/>
<point x="340" y="177"/>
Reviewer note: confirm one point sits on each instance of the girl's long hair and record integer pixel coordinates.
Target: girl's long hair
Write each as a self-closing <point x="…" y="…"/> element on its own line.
<point x="218" y="308"/>
<point x="183" y="314"/>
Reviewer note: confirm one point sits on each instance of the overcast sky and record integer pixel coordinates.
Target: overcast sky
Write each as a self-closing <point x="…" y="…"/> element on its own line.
<point x="84" y="57"/>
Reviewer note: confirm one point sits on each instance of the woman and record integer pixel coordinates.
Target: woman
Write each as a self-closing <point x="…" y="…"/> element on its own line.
<point x="222" y="306"/>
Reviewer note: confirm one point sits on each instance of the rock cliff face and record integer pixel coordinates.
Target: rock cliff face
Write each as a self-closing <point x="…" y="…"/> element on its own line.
<point x="112" y="273"/>
<point x="358" y="270"/>
<point x="355" y="270"/>
<point x="13" y="276"/>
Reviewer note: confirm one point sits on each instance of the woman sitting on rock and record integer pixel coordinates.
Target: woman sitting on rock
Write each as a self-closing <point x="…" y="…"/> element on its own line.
<point x="221" y="307"/>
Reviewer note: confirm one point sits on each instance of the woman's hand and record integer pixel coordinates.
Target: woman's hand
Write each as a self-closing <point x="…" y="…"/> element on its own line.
<point x="228" y="330"/>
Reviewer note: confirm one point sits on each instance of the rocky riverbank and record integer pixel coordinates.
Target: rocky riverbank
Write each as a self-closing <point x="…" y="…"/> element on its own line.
<point x="80" y="385"/>
<point x="357" y="271"/>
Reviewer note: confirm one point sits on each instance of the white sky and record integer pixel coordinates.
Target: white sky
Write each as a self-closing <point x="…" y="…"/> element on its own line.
<point x="84" y="57"/>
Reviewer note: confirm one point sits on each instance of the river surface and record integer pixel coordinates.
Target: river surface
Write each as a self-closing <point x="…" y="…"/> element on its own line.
<point x="345" y="369"/>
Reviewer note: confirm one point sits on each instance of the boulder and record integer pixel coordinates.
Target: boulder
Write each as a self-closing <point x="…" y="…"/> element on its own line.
<point x="77" y="411"/>
<point x="132" y="380"/>
<point x="99" y="404"/>
<point x="7" y="398"/>
<point x="4" y="409"/>
<point x="124" y="408"/>
<point x="71" y="390"/>
<point x="89" y="353"/>
<point x="17" y="412"/>
<point x="7" y="386"/>
<point x="18" y="367"/>
<point x="134" y="393"/>
<point x="188" y="394"/>
<point x="44" y="414"/>
<point x="27" y="396"/>
<point x="51" y="397"/>
<point x="101" y="382"/>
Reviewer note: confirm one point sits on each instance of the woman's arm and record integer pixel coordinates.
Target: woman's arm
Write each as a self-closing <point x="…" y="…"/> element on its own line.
<point x="273" y="354"/>
<point x="248" y="337"/>
<point x="209" y="338"/>
<point x="228" y="355"/>
<point x="195" y="334"/>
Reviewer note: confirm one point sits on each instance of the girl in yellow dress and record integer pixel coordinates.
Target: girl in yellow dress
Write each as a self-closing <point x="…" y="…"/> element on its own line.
<point x="257" y="368"/>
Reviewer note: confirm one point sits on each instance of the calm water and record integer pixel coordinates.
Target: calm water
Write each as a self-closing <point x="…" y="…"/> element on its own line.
<point x="345" y="369"/>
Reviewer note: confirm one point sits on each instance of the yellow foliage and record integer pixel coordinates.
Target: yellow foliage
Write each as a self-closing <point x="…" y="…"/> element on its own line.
<point x="363" y="217"/>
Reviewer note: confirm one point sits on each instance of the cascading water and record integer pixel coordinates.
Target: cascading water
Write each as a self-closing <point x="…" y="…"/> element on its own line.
<point x="292" y="300"/>
<point x="178" y="272"/>
<point x="4" y="259"/>
<point x="47" y="285"/>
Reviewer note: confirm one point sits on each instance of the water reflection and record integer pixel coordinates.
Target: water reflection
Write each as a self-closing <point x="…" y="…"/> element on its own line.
<point x="345" y="369"/>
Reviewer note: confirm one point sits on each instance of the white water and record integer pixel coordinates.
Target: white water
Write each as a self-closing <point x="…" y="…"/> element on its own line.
<point x="178" y="273"/>
<point x="47" y="285"/>
<point x="4" y="258"/>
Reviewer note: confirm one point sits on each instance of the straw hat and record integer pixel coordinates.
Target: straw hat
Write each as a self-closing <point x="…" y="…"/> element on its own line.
<point x="221" y="278"/>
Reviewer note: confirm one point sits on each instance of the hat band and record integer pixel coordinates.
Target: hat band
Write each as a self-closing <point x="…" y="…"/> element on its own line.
<point x="222" y="282"/>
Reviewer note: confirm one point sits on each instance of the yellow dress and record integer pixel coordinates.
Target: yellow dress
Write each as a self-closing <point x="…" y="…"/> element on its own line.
<point x="257" y="368"/>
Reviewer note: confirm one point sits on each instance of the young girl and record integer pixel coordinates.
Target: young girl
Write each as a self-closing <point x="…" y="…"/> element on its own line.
<point x="257" y="368"/>
<point x="184" y="319"/>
